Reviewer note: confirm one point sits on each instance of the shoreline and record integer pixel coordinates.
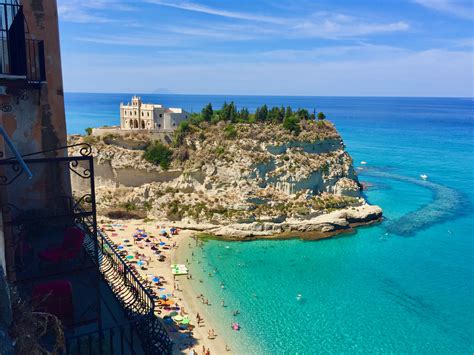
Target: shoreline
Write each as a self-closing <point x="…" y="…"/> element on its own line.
<point x="185" y="293"/>
<point x="328" y="225"/>
<point x="180" y="288"/>
<point x="195" y="306"/>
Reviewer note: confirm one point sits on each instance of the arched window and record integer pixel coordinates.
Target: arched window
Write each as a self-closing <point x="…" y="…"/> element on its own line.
<point x="143" y="124"/>
<point x="136" y="123"/>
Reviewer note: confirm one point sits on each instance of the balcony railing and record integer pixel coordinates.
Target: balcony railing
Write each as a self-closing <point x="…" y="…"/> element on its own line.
<point x="19" y="56"/>
<point x="136" y="301"/>
<point x="119" y="340"/>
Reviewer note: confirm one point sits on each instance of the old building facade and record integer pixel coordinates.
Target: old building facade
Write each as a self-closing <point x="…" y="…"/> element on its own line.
<point x="137" y="115"/>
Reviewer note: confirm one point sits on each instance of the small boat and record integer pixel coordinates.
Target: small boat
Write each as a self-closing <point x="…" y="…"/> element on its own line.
<point x="298" y="297"/>
<point x="236" y="326"/>
<point x="363" y="162"/>
<point x="423" y="176"/>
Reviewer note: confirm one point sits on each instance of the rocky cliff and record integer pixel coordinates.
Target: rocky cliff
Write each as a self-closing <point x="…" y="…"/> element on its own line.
<point x="236" y="181"/>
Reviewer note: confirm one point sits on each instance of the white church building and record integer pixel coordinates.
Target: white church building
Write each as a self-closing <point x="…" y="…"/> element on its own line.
<point x="136" y="115"/>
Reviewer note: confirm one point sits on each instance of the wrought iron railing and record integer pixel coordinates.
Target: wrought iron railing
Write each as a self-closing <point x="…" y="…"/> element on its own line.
<point x="19" y="55"/>
<point x="118" y="340"/>
<point x="136" y="300"/>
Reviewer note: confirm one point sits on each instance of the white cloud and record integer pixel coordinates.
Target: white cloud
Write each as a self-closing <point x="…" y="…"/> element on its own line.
<point x="388" y="72"/>
<point x="316" y="25"/>
<point x="191" y="6"/>
<point x="90" y="11"/>
<point x="459" y="8"/>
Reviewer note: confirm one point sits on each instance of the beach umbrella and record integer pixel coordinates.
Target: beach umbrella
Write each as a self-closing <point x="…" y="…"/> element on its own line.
<point x="129" y="257"/>
<point x="163" y="231"/>
<point x="178" y="318"/>
<point x="172" y="314"/>
<point x="155" y="279"/>
<point x="162" y="243"/>
<point x="120" y="247"/>
<point x="140" y="263"/>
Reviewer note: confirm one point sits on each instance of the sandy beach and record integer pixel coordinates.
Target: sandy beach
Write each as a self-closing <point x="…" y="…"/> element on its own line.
<point x="179" y="289"/>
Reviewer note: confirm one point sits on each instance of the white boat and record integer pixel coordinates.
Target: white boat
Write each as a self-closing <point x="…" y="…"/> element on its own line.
<point x="363" y="162"/>
<point x="423" y="177"/>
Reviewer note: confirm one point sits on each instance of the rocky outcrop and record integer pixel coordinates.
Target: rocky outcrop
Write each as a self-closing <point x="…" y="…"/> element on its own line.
<point x="260" y="181"/>
<point x="323" y="226"/>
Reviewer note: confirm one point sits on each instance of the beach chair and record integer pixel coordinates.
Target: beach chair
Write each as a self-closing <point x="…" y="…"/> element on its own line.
<point x="55" y="297"/>
<point x="69" y="249"/>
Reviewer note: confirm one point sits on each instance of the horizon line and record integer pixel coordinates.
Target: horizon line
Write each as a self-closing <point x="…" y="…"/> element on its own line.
<point x="272" y="95"/>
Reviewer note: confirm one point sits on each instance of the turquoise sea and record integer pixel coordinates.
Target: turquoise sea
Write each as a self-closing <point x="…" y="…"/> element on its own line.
<point x="403" y="286"/>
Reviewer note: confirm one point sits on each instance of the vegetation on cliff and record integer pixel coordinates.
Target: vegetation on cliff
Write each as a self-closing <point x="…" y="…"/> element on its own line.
<point x="230" y="166"/>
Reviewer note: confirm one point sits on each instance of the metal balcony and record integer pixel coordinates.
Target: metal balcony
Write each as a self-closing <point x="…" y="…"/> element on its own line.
<point x="21" y="58"/>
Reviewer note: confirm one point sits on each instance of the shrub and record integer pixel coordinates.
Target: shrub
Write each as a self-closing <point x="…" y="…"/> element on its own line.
<point x="182" y="154"/>
<point x="158" y="154"/>
<point x="292" y="123"/>
<point x="88" y="131"/>
<point x="230" y="131"/>
<point x="129" y="206"/>
<point x="180" y="133"/>
<point x="220" y="150"/>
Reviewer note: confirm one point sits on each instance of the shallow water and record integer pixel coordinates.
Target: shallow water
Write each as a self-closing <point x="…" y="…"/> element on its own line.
<point x="405" y="285"/>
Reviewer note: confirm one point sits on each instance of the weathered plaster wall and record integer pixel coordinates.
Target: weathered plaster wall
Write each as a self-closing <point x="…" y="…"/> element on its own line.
<point x="35" y="118"/>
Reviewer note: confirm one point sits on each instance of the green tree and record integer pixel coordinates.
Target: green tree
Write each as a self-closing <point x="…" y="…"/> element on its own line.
<point x="88" y="131"/>
<point x="261" y="114"/>
<point x="244" y="115"/>
<point x="292" y="124"/>
<point x="321" y="116"/>
<point x="225" y="112"/>
<point x="232" y="112"/>
<point x="282" y="113"/>
<point x="158" y="154"/>
<point x="274" y="115"/>
<point x="303" y="114"/>
<point x="207" y="112"/>
<point x="288" y="112"/>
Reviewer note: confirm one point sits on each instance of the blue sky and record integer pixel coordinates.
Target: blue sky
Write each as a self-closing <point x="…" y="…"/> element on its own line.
<point x="287" y="47"/>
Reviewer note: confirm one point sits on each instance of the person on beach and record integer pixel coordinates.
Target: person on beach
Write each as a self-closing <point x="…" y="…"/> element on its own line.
<point x="227" y="347"/>
<point x="208" y="352"/>
<point x="223" y="304"/>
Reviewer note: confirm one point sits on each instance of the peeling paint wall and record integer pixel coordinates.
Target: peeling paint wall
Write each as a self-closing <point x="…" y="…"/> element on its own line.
<point x="34" y="117"/>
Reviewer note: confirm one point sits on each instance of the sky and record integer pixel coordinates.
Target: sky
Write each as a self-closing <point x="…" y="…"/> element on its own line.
<point x="269" y="47"/>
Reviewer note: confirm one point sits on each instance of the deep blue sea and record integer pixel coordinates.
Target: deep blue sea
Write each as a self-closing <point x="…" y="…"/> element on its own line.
<point x="403" y="286"/>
